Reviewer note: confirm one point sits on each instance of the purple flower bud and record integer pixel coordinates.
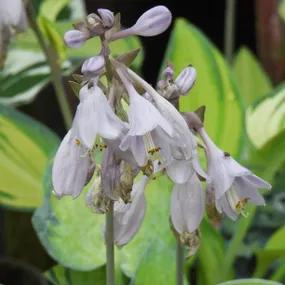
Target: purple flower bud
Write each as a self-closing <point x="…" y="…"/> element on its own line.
<point x="186" y="79"/>
<point x="93" y="65"/>
<point x="75" y="38"/>
<point x="153" y="22"/>
<point x="168" y="72"/>
<point x="107" y="17"/>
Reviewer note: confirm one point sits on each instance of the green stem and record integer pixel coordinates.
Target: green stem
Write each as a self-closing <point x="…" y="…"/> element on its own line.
<point x="55" y="68"/>
<point x="179" y="263"/>
<point x="229" y="30"/>
<point x="242" y="227"/>
<point x="110" y="259"/>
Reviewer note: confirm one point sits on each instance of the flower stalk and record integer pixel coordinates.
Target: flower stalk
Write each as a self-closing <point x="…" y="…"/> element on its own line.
<point x="110" y="256"/>
<point x="179" y="262"/>
<point x="53" y="62"/>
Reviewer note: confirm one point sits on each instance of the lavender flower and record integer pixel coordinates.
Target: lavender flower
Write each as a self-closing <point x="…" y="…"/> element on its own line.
<point x="233" y="185"/>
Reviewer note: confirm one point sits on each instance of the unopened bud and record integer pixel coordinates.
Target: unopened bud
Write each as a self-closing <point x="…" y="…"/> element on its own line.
<point x="75" y="38"/>
<point x="186" y="80"/>
<point x="153" y="22"/>
<point x="107" y="17"/>
<point x="93" y="65"/>
<point x="168" y="72"/>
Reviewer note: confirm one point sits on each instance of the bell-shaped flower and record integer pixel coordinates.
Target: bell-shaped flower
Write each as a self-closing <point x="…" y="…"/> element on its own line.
<point x="12" y="14"/>
<point x="187" y="205"/>
<point x="93" y="65"/>
<point x="128" y="217"/>
<point x="144" y="121"/>
<point x="94" y="116"/>
<point x="185" y="80"/>
<point x="107" y="17"/>
<point x="151" y="23"/>
<point x="76" y="38"/>
<point x="71" y="167"/>
<point x="233" y="185"/>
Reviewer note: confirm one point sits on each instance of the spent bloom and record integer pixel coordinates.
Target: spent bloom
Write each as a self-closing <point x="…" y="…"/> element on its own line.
<point x="142" y="135"/>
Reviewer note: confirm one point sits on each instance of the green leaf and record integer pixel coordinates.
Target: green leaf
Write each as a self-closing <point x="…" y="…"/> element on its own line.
<point x="58" y="275"/>
<point x="250" y="282"/>
<point x="214" y="88"/>
<point x="266" y="118"/>
<point x="67" y="226"/>
<point x="51" y="8"/>
<point x="26" y="147"/>
<point x="251" y="78"/>
<point x="281" y="9"/>
<point x="274" y="249"/>
<point x="211" y="255"/>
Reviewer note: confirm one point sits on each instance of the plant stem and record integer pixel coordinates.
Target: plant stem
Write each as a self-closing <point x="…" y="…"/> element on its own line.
<point x="54" y="64"/>
<point x="179" y="263"/>
<point x="234" y="246"/>
<point x="110" y="260"/>
<point x="229" y="29"/>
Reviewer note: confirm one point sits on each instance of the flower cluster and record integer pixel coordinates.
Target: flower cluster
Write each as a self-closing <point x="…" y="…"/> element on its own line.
<point x="141" y="134"/>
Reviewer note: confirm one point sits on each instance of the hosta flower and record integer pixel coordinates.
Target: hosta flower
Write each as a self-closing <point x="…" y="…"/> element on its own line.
<point x="94" y="116"/>
<point x="12" y="20"/>
<point x="177" y="151"/>
<point x="145" y="121"/>
<point x="187" y="205"/>
<point x="70" y="168"/>
<point x="93" y="65"/>
<point x="151" y="23"/>
<point x="107" y="17"/>
<point x="233" y="185"/>
<point x="76" y="38"/>
<point x="185" y="80"/>
<point x="128" y="217"/>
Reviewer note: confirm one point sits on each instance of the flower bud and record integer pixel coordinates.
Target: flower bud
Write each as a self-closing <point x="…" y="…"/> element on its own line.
<point x="75" y="38"/>
<point x="93" y="65"/>
<point x="107" y="17"/>
<point x="168" y="72"/>
<point x="186" y="80"/>
<point x="153" y="22"/>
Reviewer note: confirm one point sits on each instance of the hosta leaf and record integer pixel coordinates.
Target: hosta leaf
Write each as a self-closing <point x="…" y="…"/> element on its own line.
<point x="214" y="87"/>
<point x="67" y="225"/>
<point x="25" y="148"/>
<point x="252" y="80"/>
<point x="250" y="282"/>
<point x="266" y="118"/>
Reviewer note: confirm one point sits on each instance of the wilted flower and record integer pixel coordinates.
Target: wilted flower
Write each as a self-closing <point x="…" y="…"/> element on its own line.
<point x="94" y="116"/>
<point x="232" y="184"/>
<point x="70" y="168"/>
<point x="128" y="217"/>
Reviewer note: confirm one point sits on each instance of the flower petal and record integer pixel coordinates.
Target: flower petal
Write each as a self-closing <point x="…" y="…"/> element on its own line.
<point x="128" y="217"/>
<point x="187" y="205"/>
<point x="70" y="168"/>
<point x="179" y="171"/>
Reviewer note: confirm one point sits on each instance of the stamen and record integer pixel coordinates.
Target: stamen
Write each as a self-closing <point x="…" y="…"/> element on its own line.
<point x="77" y="142"/>
<point x="237" y="204"/>
<point x="150" y="147"/>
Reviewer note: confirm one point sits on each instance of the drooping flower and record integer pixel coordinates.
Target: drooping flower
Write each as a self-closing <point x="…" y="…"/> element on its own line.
<point x="187" y="205"/>
<point x="94" y="116"/>
<point x="71" y="167"/>
<point x="12" y="20"/>
<point x="128" y="217"/>
<point x="151" y="23"/>
<point x="145" y="121"/>
<point x="233" y="185"/>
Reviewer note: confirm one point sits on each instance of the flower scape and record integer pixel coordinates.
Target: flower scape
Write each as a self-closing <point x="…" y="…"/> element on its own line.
<point x="140" y="134"/>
